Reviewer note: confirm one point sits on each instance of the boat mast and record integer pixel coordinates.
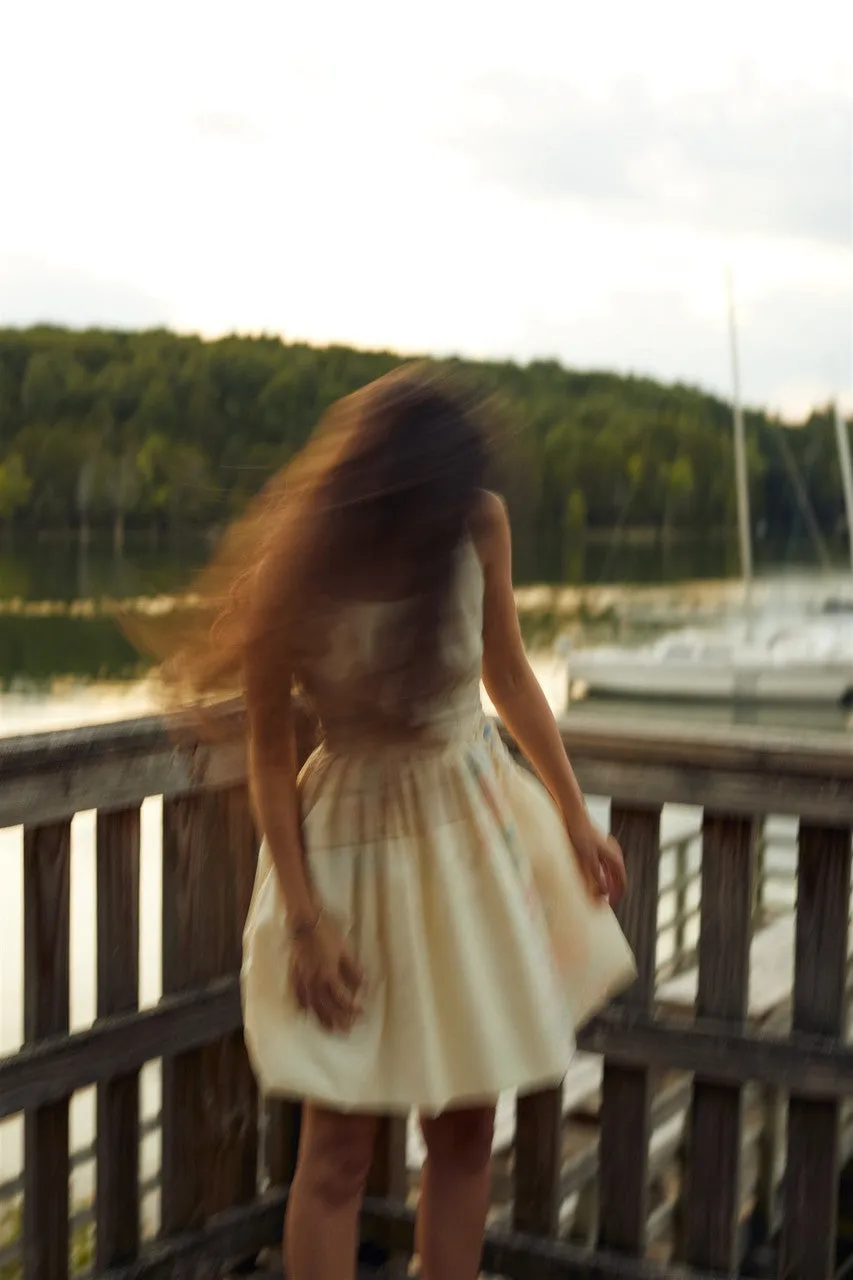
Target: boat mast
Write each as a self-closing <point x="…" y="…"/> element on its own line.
<point x="741" y="481"/>
<point x="846" y="472"/>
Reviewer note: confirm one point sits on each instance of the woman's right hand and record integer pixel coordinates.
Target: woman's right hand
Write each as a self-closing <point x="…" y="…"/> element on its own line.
<point x="600" y="859"/>
<point x="325" y="978"/>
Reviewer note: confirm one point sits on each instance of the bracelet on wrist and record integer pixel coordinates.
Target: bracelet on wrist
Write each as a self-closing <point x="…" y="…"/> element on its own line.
<point x="302" y="929"/>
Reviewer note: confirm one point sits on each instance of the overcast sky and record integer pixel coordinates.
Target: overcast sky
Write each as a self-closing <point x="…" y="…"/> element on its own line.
<point x="545" y="179"/>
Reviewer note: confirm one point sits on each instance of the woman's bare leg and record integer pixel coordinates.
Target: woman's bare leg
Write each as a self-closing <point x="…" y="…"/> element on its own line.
<point x="321" y="1227"/>
<point x="455" y="1191"/>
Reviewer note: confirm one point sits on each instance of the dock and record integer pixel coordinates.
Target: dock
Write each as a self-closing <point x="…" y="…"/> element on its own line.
<point x="701" y="1132"/>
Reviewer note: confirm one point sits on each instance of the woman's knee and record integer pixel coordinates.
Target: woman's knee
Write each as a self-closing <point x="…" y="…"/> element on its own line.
<point x="460" y="1139"/>
<point x="335" y="1155"/>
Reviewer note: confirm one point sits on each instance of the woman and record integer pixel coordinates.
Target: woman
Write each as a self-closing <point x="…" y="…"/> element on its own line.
<point x="429" y="923"/>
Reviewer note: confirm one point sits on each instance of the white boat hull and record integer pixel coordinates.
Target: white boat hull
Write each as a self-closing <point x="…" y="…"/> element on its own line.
<point x="724" y="683"/>
<point x="810" y="663"/>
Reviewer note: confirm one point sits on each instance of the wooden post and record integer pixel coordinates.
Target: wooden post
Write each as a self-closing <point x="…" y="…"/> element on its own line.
<point x="47" y="879"/>
<point x="713" y="1200"/>
<point x="117" y="1205"/>
<point x="209" y="1095"/>
<point x="760" y="874"/>
<point x="240" y="1092"/>
<point x="811" y="1179"/>
<point x="282" y="1122"/>
<point x="538" y="1156"/>
<point x="388" y="1179"/>
<point x="585" y="1224"/>
<point x="682" y="884"/>
<point x="626" y="1091"/>
<point x="774" y="1116"/>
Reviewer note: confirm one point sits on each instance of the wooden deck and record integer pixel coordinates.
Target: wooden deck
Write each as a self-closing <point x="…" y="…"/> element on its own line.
<point x="727" y="1066"/>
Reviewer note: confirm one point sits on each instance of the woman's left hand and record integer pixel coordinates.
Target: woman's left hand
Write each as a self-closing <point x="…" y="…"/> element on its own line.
<point x="600" y="859"/>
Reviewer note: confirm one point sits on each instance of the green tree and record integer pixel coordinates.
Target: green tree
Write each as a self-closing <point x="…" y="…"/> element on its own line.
<point x="15" y="488"/>
<point x="155" y="429"/>
<point x="176" y="482"/>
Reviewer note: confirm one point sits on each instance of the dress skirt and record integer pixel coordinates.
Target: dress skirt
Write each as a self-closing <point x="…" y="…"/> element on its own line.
<point x="450" y="873"/>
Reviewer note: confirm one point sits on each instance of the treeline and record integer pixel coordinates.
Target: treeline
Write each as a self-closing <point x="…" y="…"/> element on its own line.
<point x="116" y="432"/>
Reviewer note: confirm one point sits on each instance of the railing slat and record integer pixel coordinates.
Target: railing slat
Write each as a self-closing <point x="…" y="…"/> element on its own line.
<point x="47" y="879"/>
<point x="186" y="946"/>
<point x="388" y="1180"/>
<point x="538" y="1159"/>
<point x="238" y="1096"/>
<point x="210" y="1105"/>
<point x="50" y="1070"/>
<point x="209" y="1095"/>
<point x="713" y="1199"/>
<point x="626" y="1090"/>
<point x="117" y="1204"/>
<point x="811" y="1178"/>
<point x="281" y="1141"/>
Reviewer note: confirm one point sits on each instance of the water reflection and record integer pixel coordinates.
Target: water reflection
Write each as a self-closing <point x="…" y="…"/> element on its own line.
<point x="66" y="570"/>
<point x="35" y="650"/>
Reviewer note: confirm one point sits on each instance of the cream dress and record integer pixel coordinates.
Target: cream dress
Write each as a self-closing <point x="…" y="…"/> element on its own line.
<point x="449" y="871"/>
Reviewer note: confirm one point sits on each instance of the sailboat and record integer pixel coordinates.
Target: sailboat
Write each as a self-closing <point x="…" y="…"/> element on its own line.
<point x="758" y="659"/>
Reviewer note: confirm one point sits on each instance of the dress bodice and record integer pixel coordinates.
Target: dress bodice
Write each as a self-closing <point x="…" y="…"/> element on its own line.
<point x="345" y="679"/>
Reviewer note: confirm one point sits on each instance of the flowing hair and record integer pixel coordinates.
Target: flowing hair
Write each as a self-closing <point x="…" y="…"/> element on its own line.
<point x="391" y="477"/>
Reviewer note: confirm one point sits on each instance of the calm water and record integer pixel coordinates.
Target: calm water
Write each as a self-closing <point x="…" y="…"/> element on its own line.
<point x="63" y="570"/>
<point x="56" y="598"/>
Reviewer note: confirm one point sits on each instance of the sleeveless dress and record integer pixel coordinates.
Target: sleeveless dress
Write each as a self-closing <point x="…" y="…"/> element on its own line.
<point x="450" y="873"/>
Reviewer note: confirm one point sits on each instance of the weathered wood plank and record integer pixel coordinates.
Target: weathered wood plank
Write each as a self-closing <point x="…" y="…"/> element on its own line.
<point x="48" y="777"/>
<point x="237" y="1093"/>
<point x="538" y="1155"/>
<point x="725" y="790"/>
<point x="808" y="1062"/>
<point x="580" y="1171"/>
<point x="811" y="1181"/>
<point x="47" y="878"/>
<point x="187" y="828"/>
<point x="388" y="1179"/>
<point x="117" y="1203"/>
<point x="233" y="1234"/>
<point x="527" y="1257"/>
<point x="115" y="781"/>
<point x="771" y="979"/>
<point x="744" y="749"/>
<point x="209" y="1098"/>
<point x="770" y="1164"/>
<point x="282" y="1126"/>
<point x="682" y="884"/>
<point x="713" y="1199"/>
<point x="626" y="1090"/>
<point x="48" y="1071"/>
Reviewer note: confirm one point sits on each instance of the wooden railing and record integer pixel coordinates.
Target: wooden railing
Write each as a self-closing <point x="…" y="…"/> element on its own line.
<point x="227" y="1158"/>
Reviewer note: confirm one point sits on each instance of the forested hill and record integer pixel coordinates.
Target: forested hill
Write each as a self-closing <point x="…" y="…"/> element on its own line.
<point x="109" y="431"/>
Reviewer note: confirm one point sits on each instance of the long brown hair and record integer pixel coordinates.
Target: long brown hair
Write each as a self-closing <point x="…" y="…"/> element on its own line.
<point x="391" y="480"/>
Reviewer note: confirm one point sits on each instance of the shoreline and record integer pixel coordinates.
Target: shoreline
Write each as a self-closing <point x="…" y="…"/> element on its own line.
<point x="564" y="601"/>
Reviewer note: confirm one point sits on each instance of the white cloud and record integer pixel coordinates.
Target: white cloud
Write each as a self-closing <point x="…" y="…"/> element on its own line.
<point x="321" y="171"/>
<point x="745" y="160"/>
<point x="33" y="291"/>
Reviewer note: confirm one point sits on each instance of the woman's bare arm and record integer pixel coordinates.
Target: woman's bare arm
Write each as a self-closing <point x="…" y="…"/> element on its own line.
<point x="521" y="704"/>
<point x="509" y="679"/>
<point x="323" y="975"/>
